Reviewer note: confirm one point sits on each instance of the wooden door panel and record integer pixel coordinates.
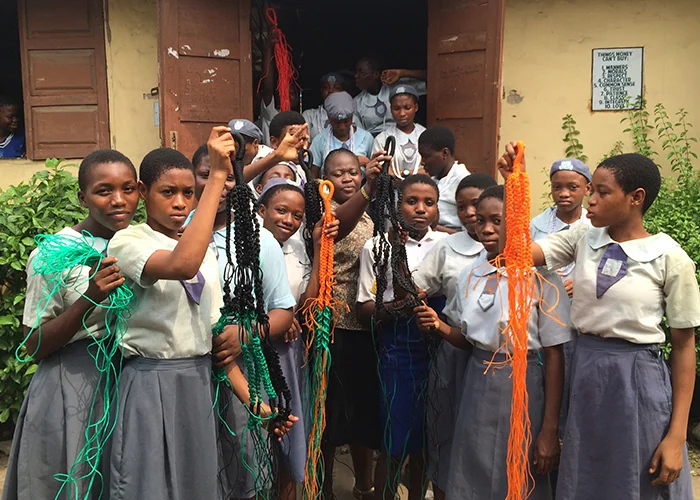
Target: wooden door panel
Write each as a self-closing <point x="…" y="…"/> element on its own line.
<point x="65" y="71"/>
<point x="205" y="68"/>
<point x="72" y="18"/>
<point x="63" y="131"/>
<point x="465" y="131"/>
<point x="460" y="84"/>
<point x="65" y="77"/>
<point x="209" y="89"/>
<point x="465" y="44"/>
<point x="221" y="38"/>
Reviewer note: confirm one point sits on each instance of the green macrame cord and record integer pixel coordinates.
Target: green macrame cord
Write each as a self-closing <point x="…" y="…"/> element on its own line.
<point x="58" y="260"/>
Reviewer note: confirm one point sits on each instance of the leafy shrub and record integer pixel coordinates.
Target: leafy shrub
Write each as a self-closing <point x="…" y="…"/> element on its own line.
<point x="45" y="204"/>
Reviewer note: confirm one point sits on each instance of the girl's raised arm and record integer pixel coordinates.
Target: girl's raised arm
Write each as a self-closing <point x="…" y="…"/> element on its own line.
<point x="186" y="258"/>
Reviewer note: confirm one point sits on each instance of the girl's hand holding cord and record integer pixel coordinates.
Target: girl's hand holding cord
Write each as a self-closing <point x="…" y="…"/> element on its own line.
<point x="105" y="280"/>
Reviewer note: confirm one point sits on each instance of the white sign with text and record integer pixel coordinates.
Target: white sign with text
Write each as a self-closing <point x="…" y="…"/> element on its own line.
<point x="617" y="78"/>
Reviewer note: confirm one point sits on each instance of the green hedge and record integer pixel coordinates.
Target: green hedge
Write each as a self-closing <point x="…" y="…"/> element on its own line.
<point x="45" y="204"/>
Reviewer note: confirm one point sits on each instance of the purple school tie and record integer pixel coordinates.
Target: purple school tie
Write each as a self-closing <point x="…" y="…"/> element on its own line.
<point x="612" y="268"/>
<point x="194" y="289"/>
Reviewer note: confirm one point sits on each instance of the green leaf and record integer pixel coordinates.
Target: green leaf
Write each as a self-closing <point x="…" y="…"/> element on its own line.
<point x="7" y="320"/>
<point x="4" y="415"/>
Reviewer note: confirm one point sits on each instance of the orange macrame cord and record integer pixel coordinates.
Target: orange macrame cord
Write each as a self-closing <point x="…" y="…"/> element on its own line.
<point x="521" y="295"/>
<point x="286" y="74"/>
<point x="315" y="311"/>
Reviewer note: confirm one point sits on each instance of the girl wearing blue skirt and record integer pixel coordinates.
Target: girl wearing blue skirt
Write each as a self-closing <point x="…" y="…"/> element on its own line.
<point x="628" y="416"/>
<point x="50" y="431"/>
<point x="404" y="357"/>
<point x="480" y="305"/>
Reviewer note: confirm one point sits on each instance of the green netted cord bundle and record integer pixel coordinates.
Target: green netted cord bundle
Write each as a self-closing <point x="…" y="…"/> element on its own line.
<point x="244" y="306"/>
<point x="59" y="259"/>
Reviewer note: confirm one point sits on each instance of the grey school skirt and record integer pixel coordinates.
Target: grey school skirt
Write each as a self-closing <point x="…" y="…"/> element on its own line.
<point x="478" y="460"/>
<point x="236" y="457"/>
<point x="619" y="411"/>
<point x="164" y="443"/>
<point x="444" y="393"/>
<point x="50" y="430"/>
<point x="292" y="358"/>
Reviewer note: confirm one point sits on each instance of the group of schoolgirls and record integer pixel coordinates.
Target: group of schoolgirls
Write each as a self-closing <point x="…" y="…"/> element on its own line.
<point x="414" y="384"/>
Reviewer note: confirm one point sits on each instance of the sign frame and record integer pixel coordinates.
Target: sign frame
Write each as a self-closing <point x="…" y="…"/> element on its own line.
<point x="631" y="105"/>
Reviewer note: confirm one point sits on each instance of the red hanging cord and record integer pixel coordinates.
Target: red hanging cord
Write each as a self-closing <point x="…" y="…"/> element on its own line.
<point x="286" y="74"/>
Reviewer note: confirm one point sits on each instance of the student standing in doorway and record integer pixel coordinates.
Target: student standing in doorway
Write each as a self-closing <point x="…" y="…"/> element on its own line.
<point x="404" y="106"/>
<point x="376" y="84"/>
<point x="437" y="149"/>
<point x="317" y="118"/>
<point x="341" y="133"/>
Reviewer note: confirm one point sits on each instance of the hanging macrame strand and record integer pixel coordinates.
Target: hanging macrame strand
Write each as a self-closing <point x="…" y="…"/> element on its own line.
<point x="314" y="202"/>
<point x="521" y="295"/>
<point x="286" y="74"/>
<point x="319" y="316"/>
<point x="389" y="252"/>
<point x="244" y="306"/>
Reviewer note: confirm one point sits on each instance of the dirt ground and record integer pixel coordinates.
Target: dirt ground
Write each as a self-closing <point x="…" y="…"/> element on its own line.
<point x="343" y="474"/>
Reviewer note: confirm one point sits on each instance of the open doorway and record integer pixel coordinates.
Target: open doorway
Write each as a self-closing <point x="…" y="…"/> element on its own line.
<point x="11" y="102"/>
<point x="209" y="71"/>
<point x="327" y="36"/>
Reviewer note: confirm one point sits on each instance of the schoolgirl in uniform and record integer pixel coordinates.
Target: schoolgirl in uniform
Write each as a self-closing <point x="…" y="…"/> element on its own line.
<point x="376" y="84"/>
<point x="480" y="305"/>
<point x="236" y="480"/>
<point x="55" y="413"/>
<point x="625" y="282"/>
<point x="281" y="206"/>
<point x="352" y="402"/>
<point x="403" y="352"/>
<point x="284" y="170"/>
<point x="570" y="183"/>
<point x="404" y="106"/>
<point x="12" y="138"/>
<point x="437" y="274"/>
<point x="165" y="405"/>
<point x="437" y="148"/>
<point x="340" y="133"/>
<point x="317" y="118"/>
<point x="468" y="191"/>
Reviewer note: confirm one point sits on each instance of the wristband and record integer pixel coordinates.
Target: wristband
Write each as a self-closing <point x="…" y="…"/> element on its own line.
<point x="364" y="193"/>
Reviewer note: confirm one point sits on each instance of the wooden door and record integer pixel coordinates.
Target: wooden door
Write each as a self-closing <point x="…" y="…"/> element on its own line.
<point x="205" y="68"/>
<point x="465" y="46"/>
<point x="64" y="75"/>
